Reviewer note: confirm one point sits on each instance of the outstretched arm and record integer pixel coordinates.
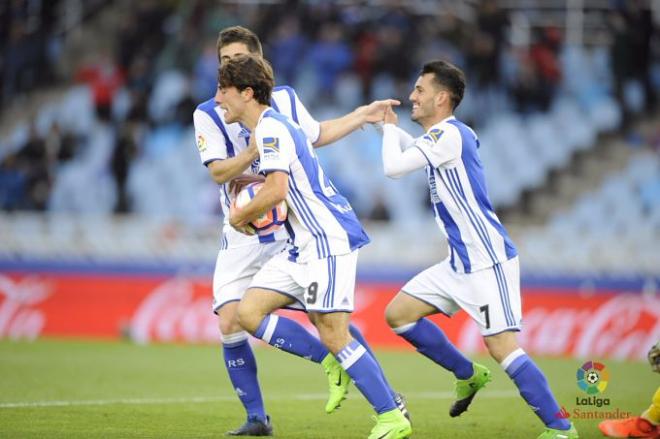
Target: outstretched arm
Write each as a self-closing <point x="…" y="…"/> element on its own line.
<point x="335" y="129"/>
<point x="398" y="161"/>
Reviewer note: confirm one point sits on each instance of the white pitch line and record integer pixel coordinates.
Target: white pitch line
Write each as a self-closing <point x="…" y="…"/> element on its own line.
<point x="493" y="394"/>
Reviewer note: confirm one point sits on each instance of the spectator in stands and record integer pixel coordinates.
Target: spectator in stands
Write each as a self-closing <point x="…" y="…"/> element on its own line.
<point x="105" y="78"/>
<point x="289" y="46"/>
<point x="366" y="50"/>
<point x="12" y="184"/>
<point x="330" y="56"/>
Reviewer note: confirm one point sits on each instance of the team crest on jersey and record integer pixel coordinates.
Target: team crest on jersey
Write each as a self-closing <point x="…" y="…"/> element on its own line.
<point x="435" y="134"/>
<point x="201" y="143"/>
<point x="271" y="147"/>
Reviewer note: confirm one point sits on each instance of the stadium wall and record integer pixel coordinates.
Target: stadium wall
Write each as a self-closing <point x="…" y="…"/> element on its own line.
<point x="561" y="318"/>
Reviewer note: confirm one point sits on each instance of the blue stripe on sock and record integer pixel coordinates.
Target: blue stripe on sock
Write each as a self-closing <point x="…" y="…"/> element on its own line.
<point x="534" y="389"/>
<point x="432" y="342"/>
<point x="364" y="372"/>
<point x="357" y="335"/>
<point x="290" y="336"/>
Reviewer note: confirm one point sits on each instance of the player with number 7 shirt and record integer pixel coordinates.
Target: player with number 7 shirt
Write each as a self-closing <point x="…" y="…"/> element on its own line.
<point x="481" y="273"/>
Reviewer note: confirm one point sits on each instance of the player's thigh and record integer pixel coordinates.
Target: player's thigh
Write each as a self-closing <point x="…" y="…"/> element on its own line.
<point x="235" y="268"/>
<point x="492" y="297"/>
<point x="405" y="309"/>
<point x="433" y="287"/>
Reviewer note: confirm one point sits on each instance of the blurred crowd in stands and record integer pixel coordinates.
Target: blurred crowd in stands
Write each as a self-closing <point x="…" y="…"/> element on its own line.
<point x="146" y="78"/>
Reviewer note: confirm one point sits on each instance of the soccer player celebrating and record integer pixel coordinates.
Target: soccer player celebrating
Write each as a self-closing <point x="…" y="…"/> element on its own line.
<point x="226" y="149"/>
<point x="318" y="272"/>
<point x="481" y="273"/>
<point x="646" y="425"/>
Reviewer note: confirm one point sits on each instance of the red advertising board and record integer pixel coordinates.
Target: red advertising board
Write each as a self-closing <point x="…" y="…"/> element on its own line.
<point x="162" y="309"/>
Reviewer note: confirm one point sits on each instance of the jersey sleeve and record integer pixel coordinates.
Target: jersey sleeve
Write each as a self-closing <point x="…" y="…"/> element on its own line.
<point x="210" y="141"/>
<point x="276" y="146"/>
<point x="397" y="160"/>
<point x="309" y="125"/>
<point x="441" y="145"/>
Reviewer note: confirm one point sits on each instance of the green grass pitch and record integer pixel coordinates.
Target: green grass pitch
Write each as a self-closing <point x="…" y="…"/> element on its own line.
<point x="90" y="389"/>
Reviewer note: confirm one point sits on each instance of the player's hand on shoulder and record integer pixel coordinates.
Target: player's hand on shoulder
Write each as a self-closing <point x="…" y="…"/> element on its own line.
<point x="390" y="116"/>
<point x="376" y="111"/>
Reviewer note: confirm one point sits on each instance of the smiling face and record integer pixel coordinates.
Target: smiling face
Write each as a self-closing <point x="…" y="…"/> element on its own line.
<point x="426" y="99"/>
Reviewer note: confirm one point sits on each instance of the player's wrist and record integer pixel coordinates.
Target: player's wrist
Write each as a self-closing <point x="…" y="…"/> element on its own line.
<point x="361" y="115"/>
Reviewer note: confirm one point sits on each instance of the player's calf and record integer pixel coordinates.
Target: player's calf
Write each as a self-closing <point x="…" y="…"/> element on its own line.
<point x="531" y="383"/>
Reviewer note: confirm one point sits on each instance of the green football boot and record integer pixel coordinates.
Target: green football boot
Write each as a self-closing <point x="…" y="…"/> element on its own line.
<point x="467" y="389"/>
<point x="338" y="381"/>
<point x="391" y="425"/>
<point x="551" y="433"/>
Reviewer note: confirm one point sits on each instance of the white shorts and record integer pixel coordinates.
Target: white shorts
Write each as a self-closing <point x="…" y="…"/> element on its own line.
<point x="235" y="268"/>
<point x="490" y="296"/>
<point x="321" y="285"/>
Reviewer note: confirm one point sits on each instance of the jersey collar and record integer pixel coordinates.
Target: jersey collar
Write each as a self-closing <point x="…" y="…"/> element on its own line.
<point x="446" y="119"/>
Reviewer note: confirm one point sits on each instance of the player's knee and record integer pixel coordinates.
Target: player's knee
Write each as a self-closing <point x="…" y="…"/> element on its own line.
<point x="229" y="326"/>
<point x="335" y="342"/>
<point x="393" y="316"/>
<point x="228" y="318"/>
<point x="333" y="337"/>
<point x="248" y="318"/>
<point x="501" y="345"/>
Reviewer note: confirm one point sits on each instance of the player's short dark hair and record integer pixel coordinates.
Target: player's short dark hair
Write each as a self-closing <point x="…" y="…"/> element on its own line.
<point x="239" y="34"/>
<point x="448" y="76"/>
<point x="248" y="71"/>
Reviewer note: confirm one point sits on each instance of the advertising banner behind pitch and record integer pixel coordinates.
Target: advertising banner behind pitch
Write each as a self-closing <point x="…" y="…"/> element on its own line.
<point x="177" y="309"/>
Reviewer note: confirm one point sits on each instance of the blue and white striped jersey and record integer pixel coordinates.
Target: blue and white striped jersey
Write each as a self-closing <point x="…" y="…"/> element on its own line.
<point x="321" y="222"/>
<point x="477" y="239"/>
<point x="217" y="140"/>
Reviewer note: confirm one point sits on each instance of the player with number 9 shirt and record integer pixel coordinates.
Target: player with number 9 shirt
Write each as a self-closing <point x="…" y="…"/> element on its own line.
<point x="318" y="272"/>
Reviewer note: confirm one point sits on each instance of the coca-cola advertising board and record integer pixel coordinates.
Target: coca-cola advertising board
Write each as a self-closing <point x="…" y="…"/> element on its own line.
<point x="560" y="322"/>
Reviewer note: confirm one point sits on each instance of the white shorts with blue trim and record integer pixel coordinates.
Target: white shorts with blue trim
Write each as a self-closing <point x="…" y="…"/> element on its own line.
<point x="320" y="285"/>
<point x="490" y="296"/>
<point x="235" y="267"/>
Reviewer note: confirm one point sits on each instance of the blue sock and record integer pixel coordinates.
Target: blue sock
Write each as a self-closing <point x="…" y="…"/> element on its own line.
<point x="357" y="334"/>
<point x="431" y="342"/>
<point x="242" y="369"/>
<point x="363" y="369"/>
<point x="291" y="337"/>
<point x="534" y="389"/>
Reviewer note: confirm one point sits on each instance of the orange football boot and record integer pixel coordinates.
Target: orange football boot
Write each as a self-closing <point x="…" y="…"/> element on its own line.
<point x="630" y="428"/>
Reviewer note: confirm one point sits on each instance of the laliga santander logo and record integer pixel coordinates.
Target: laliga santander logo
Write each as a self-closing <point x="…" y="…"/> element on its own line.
<point x="592" y="377"/>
